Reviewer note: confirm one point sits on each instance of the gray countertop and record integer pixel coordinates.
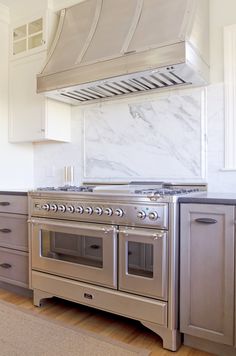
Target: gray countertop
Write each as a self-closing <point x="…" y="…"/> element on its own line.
<point x="12" y="192"/>
<point x="210" y="198"/>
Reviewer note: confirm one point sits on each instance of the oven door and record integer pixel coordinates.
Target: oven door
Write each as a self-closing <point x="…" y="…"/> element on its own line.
<point x="85" y="252"/>
<point x="143" y="262"/>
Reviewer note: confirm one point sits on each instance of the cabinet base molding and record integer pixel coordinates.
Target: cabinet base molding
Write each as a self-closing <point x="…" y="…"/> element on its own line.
<point x="209" y="346"/>
<point x="25" y="292"/>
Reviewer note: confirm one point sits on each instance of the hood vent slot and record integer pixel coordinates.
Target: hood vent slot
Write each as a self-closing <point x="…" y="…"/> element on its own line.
<point x="128" y="84"/>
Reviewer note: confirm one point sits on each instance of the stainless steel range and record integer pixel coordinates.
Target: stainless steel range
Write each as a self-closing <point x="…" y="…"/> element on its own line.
<point x="111" y="247"/>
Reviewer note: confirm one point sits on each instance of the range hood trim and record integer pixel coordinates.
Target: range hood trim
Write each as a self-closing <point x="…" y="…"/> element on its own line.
<point x="160" y="57"/>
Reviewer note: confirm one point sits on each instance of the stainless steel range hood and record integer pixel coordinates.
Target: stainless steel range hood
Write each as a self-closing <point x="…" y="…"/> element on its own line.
<point x="106" y="48"/>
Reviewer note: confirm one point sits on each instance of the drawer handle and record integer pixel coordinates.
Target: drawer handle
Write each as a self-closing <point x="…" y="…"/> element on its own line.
<point x="206" y="221"/>
<point x="5" y="265"/>
<point x="5" y="231"/>
<point x="4" y="203"/>
<point x="95" y="247"/>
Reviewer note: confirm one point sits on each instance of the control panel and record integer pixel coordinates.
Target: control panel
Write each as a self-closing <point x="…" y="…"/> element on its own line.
<point x="153" y="215"/>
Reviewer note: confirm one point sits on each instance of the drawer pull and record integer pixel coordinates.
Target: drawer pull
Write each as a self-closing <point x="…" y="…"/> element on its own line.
<point x="5" y="231"/>
<point x="4" y="203"/>
<point x="5" y="265"/>
<point x="95" y="247"/>
<point x="206" y="221"/>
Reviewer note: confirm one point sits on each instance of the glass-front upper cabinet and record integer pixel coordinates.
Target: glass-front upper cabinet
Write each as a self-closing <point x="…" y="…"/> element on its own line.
<point x="33" y="35"/>
<point x="28" y="36"/>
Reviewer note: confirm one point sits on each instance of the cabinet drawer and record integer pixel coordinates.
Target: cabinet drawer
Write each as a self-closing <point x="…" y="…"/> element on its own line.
<point x="14" y="204"/>
<point x="13" y="231"/>
<point x="14" y="267"/>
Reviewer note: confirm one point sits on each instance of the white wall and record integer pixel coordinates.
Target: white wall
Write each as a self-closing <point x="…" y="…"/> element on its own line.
<point x="60" y="4"/>
<point x="22" y="10"/>
<point x="16" y="161"/>
<point x="222" y="13"/>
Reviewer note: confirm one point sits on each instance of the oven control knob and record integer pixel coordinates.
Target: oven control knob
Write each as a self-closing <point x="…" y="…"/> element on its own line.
<point x="108" y="212"/>
<point x="98" y="211"/>
<point x="141" y="215"/>
<point x="53" y="207"/>
<point x="70" y="209"/>
<point x="80" y="210"/>
<point x="89" y="210"/>
<point x="61" y="208"/>
<point x="153" y="215"/>
<point x="45" y="207"/>
<point x="119" y="213"/>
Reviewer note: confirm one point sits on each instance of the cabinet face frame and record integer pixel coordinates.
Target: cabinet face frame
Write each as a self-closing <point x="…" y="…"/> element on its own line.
<point x="186" y="274"/>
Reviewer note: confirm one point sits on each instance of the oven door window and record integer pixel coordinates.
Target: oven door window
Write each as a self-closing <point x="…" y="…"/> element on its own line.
<point x="143" y="262"/>
<point x="140" y="259"/>
<point x="77" y="249"/>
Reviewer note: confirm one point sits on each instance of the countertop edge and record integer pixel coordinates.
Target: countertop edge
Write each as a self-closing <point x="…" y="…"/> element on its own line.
<point x="4" y="192"/>
<point x="224" y="199"/>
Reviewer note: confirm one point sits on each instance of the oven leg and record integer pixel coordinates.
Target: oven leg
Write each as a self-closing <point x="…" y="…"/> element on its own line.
<point x="39" y="295"/>
<point x="171" y="338"/>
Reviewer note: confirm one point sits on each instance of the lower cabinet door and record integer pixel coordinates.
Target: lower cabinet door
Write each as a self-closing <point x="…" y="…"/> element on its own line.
<point x="207" y="272"/>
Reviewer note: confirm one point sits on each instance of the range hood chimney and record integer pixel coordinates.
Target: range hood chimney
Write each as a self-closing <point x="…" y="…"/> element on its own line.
<point x="106" y="48"/>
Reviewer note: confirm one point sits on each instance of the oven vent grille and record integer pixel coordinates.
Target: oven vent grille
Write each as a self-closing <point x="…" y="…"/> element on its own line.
<point x="127" y="84"/>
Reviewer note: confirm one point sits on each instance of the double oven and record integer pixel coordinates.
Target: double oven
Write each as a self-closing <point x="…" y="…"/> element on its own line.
<point x="125" y="258"/>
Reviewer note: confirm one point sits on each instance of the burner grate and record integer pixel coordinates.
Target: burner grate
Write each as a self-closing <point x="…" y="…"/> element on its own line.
<point x="67" y="188"/>
<point x="166" y="191"/>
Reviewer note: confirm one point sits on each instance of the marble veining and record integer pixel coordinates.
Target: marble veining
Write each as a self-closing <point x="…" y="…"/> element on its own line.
<point x="158" y="139"/>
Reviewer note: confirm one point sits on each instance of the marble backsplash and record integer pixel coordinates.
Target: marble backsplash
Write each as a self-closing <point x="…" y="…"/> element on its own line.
<point x="156" y="137"/>
<point x="152" y="139"/>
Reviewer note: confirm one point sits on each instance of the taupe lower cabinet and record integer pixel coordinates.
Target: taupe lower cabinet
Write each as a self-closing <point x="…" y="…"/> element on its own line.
<point x="14" y="260"/>
<point x="207" y="295"/>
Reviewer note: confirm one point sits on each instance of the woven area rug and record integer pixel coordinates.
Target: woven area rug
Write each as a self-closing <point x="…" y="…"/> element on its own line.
<point x="24" y="334"/>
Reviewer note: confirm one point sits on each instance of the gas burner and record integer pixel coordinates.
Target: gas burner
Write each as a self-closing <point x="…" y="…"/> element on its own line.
<point x="166" y="191"/>
<point x="74" y="188"/>
<point x="67" y="188"/>
<point x="46" y="189"/>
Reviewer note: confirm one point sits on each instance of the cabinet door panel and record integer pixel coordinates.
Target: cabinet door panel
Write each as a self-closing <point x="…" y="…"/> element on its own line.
<point x="207" y="272"/>
<point x="26" y="106"/>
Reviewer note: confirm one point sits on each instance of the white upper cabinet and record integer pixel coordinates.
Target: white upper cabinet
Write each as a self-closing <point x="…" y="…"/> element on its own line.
<point x="32" y="116"/>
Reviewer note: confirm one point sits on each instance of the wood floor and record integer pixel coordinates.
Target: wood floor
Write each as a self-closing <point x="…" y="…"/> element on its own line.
<point x="102" y="323"/>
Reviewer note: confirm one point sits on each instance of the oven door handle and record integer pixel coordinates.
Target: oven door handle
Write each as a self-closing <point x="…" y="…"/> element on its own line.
<point x="151" y="234"/>
<point x="106" y="229"/>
